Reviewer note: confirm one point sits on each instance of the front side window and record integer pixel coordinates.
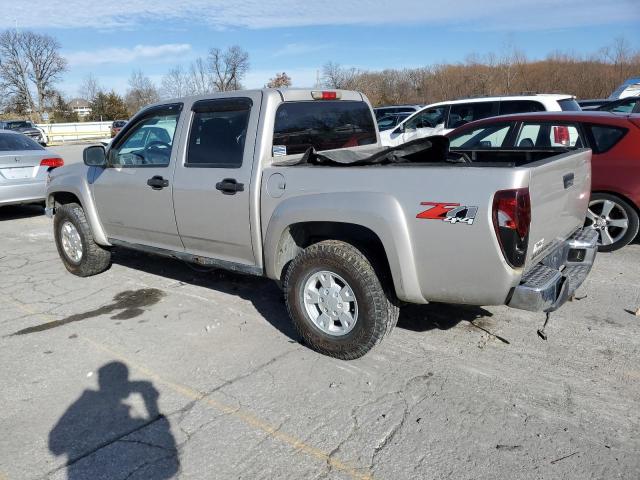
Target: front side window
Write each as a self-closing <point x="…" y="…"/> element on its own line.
<point x="549" y="135"/>
<point x="149" y="142"/>
<point x="605" y="137"/>
<point x="492" y="136"/>
<point x="323" y="125"/>
<point x="462" y="113"/>
<point x="429" y="118"/>
<point x="218" y="132"/>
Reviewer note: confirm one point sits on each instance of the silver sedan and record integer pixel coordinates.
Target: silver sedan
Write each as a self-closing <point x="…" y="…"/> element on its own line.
<point x="24" y="166"/>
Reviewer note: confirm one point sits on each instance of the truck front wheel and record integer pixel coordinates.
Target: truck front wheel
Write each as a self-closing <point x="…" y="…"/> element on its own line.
<point x="79" y="252"/>
<point x="337" y="302"/>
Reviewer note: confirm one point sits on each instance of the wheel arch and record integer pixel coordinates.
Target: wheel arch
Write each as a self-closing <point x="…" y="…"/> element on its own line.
<point x="380" y="232"/>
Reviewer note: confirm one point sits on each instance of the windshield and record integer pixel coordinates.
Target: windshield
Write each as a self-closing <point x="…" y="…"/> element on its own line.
<point x="15" y="125"/>
<point x="11" y="142"/>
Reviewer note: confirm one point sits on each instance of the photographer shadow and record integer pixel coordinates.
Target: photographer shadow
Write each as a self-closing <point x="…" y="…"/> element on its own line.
<point x="101" y="438"/>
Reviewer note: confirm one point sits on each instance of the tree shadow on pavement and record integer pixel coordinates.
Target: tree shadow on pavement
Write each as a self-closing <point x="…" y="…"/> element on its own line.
<point x="101" y="438"/>
<point x="263" y="293"/>
<point x="15" y="212"/>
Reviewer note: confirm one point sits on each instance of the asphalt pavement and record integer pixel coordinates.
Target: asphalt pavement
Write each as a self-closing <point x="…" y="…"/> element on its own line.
<point x="157" y="370"/>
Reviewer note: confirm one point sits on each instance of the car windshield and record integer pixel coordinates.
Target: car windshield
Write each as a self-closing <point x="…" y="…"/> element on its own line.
<point x="12" y="142"/>
<point x="14" y="125"/>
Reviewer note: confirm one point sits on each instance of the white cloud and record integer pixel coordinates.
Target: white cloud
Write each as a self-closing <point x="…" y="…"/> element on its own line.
<point x="293" y="49"/>
<point x="475" y="14"/>
<point x="166" y="52"/>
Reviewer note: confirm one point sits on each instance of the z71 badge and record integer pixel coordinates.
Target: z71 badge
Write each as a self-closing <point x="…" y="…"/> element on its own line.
<point x="449" y="212"/>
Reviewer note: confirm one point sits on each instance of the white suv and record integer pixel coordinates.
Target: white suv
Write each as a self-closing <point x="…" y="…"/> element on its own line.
<point x="441" y="118"/>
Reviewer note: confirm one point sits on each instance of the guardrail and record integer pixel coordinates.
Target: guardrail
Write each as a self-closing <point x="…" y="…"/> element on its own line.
<point x="66" y="132"/>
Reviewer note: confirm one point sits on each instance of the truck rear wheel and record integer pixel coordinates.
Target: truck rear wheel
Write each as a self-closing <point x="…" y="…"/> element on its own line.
<point x="336" y="301"/>
<point x="79" y="252"/>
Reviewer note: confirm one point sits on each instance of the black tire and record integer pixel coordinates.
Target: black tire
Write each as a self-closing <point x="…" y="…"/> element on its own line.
<point x="632" y="216"/>
<point x="377" y="312"/>
<point x="95" y="258"/>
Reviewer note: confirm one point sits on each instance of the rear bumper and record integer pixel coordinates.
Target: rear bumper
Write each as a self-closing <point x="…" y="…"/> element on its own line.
<point x="548" y="285"/>
<point x="22" y="193"/>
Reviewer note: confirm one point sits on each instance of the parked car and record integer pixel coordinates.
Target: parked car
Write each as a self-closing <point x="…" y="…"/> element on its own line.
<point x="629" y="88"/>
<point x="116" y="126"/>
<point x="614" y="139"/>
<point x="24" y="165"/>
<point x="236" y="185"/>
<point x="440" y="118"/>
<point x="382" y="111"/>
<point x="27" y="128"/>
<point x="624" y="105"/>
<point x="390" y="120"/>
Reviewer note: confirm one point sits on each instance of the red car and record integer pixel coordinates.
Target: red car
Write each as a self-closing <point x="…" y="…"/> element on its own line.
<point x="614" y="209"/>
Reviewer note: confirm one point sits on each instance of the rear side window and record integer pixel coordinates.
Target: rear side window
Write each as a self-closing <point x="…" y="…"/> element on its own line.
<point x="218" y="132"/>
<point x="520" y="106"/>
<point x="605" y="136"/>
<point x="323" y="125"/>
<point x="9" y="143"/>
<point x="462" y="113"/>
<point x="549" y="135"/>
<point x="569" y="105"/>
<point x="492" y="136"/>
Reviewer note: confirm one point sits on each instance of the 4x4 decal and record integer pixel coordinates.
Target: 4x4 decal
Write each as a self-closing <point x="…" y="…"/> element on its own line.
<point x="449" y="212"/>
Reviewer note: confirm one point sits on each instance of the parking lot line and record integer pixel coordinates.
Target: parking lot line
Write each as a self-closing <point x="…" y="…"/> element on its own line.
<point x="245" y="416"/>
<point x="188" y="392"/>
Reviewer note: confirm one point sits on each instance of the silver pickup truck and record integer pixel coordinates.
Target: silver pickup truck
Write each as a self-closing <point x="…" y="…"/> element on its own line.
<point x="294" y="185"/>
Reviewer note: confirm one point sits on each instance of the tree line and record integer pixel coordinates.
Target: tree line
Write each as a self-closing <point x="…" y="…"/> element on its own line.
<point x="592" y="76"/>
<point x="31" y="67"/>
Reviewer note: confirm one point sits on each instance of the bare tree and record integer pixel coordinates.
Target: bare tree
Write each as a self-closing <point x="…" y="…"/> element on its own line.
<point x="30" y="65"/>
<point x="89" y="88"/>
<point x="200" y="81"/>
<point x="15" y="69"/>
<point x="42" y="52"/>
<point x="228" y="67"/>
<point x="335" y="76"/>
<point x="175" y="84"/>
<point x="141" y="91"/>
<point x="281" y="80"/>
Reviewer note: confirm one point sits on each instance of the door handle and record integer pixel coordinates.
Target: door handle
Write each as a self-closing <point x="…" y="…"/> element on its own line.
<point x="157" y="182"/>
<point x="229" y="186"/>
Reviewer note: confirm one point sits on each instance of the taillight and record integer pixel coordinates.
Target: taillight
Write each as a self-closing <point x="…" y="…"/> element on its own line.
<point x="325" y="95"/>
<point x="561" y="136"/>
<point x="53" y="162"/>
<point x="511" y="221"/>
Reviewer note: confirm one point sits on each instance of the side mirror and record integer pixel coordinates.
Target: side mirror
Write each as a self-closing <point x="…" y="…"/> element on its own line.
<point x="94" y="156"/>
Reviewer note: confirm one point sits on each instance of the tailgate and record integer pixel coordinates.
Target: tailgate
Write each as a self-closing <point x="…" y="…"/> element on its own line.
<point x="559" y="188"/>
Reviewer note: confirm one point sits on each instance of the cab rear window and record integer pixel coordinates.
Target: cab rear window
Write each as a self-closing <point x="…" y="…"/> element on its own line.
<point x="323" y="125"/>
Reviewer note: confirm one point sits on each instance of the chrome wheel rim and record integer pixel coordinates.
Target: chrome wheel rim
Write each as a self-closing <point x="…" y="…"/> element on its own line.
<point x="71" y="242"/>
<point x="330" y="303"/>
<point x="609" y="219"/>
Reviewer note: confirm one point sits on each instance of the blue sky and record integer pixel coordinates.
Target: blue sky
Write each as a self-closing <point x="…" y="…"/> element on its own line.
<point x="111" y="39"/>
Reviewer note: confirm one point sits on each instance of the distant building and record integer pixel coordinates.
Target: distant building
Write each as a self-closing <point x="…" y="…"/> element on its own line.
<point x="80" y="106"/>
